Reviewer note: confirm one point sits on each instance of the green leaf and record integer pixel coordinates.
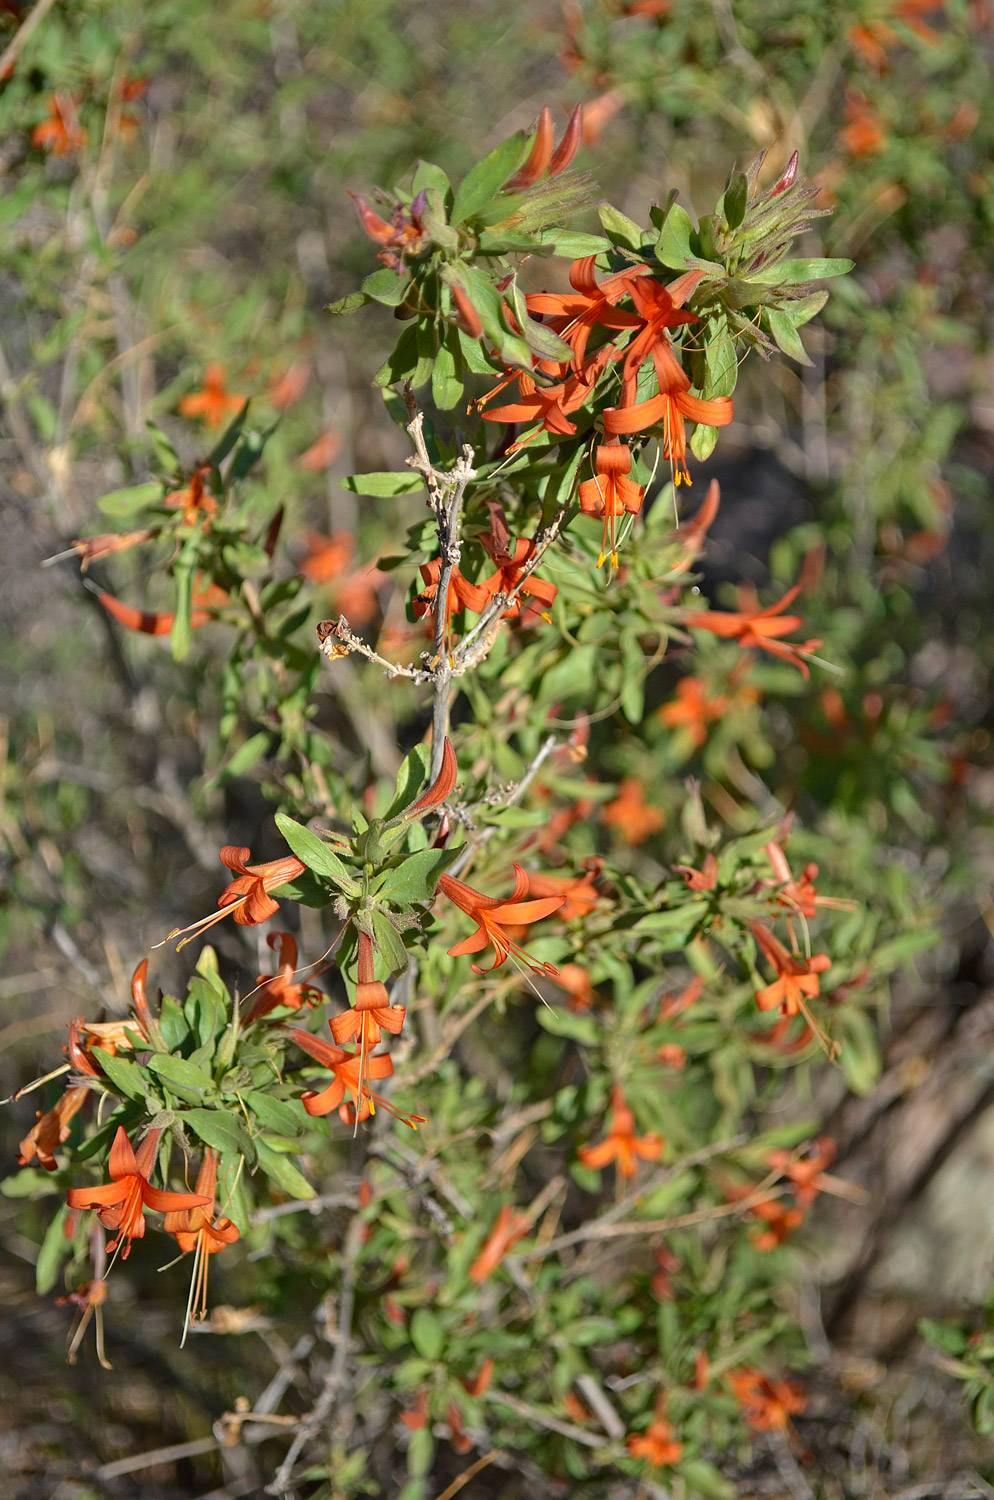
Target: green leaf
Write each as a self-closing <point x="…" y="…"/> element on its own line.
<point x="283" y="1172"/>
<point x="182" y="632"/>
<point x="412" y="776"/>
<point x="787" y="272"/>
<point x="54" y="1249"/>
<point x="428" y="175"/>
<point x="135" y="497"/>
<point x="703" y="441"/>
<point x="348" y="304"/>
<point x="673" y="244"/>
<point x="127" y="1077"/>
<point x="566" y="1023"/>
<point x="720" y="363"/>
<point x="172" y="1023"/>
<point x="801" y="310"/>
<point x="786" y="336"/>
<point x="619" y="227"/>
<point x="248" y="754"/>
<point x="220" y="1128"/>
<point x="383" y="483"/>
<point x="734" y="202"/>
<point x="388" y="942"/>
<point x="483" y="182"/>
<point x="573" y="244"/>
<point x="228" y="438"/>
<point x="206" y="1009"/>
<point x="182" y="1077"/>
<point x="427" y="1333"/>
<point x="316" y="854"/>
<point x="446" y="385"/>
<point x="385" y="286"/>
<point x="416" y="878"/>
<point x="276" y="1114"/>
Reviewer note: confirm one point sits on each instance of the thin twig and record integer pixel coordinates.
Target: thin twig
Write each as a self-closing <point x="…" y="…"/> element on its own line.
<point x="30" y="23"/>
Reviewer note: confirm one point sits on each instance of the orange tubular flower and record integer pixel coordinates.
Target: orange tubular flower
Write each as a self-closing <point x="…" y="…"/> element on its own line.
<point x="61" y="134"/>
<point x="281" y="988"/>
<point x="610" y="494"/>
<point x="576" y="982"/>
<point x="656" y="1444"/>
<point x="761" y="628"/>
<point x="372" y="1013"/>
<point x="797" y="978"/>
<point x="767" y="1405"/>
<point x="120" y="1202"/>
<point x="196" y="1229"/>
<point x="161" y="622"/>
<point x="460" y="595"/>
<point x="350" y="1071"/>
<point x="442" y="787"/>
<point x="579" y="893"/>
<point x="621" y="1144"/>
<point x="542" y="158"/>
<point x="511" y="563"/>
<point x="693" y="533"/>
<point x="591" y="305"/>
<point x="634" y="819"/>
<point x="659" y="307"/>
<point x="692" y="710"/>
<point x="195" y="500"/>
<point x="327" y="556"/>
<point x="92" y="547"/>
<point x="548" y="405"/>
<point x="805" y="1172"/>
<point x="52" y="1129"/>
<point x="247" y="898"/>
<point x="668" y="409"/>
<point x="781" y="1222"/>
<point x="89" y="1299"/>
<point x="509" y="1227"/>
<point x="492" y="915"/>
<point x="213" y="403"/>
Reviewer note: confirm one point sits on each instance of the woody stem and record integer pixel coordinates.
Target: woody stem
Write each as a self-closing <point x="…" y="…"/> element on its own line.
<point x="445" y="500"/>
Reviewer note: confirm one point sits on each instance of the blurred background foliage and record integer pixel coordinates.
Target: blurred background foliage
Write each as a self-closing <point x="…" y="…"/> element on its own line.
<point x="187" y="209"/>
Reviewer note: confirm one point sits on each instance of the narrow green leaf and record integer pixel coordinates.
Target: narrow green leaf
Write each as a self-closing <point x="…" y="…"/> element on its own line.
<point x="673" y="244"/>
<point x="383" y="483"/>
<point x="54" y="1249"/>
<point x="316" y="854"/>
<point x="220" y="1128"/>
<point x="416" y="878"/>
<point x="135" y="497"/>
<point x="786" y="336"/>
<point x="619" y="228"/>
<point x="283" y="1172"/>
<point x="483" y="182"/>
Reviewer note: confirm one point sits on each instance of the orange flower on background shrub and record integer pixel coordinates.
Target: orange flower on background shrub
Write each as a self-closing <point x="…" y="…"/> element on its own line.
<point x="578" y="892"/>
<point x="692" y="710"/>
<point x="61" y="134"/>
<point x="761" y="628"/>
<point x="656" y="1445"/>
<point x="575" y="980"/>
<point x="508" y="1228"/>
<point x="797" y="978"/>
<point x="621" y="1145"/>
<point x="631" y="815"/>
<point x="767" y="1405"/>
<point x="213" y="403"/>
